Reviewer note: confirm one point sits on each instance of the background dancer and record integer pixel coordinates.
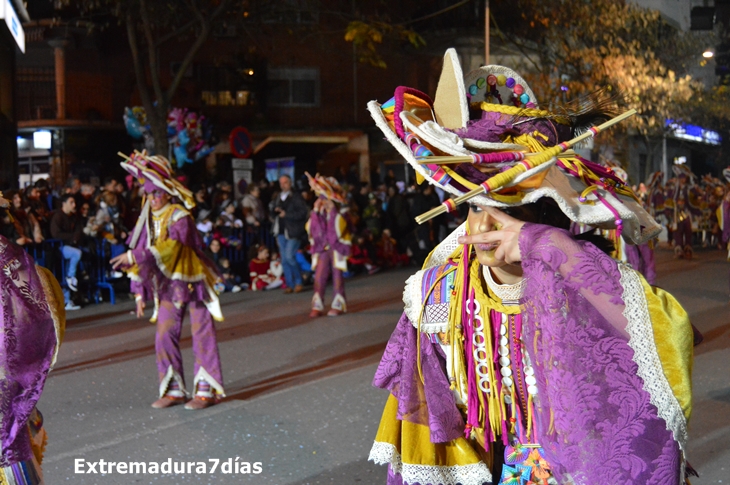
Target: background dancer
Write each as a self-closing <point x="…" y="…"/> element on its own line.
<point x="166" y="264"/>
<point x="331" y="240"/>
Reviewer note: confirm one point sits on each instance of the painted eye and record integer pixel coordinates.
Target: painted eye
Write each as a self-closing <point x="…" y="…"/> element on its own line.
<point x="475" y="208"/>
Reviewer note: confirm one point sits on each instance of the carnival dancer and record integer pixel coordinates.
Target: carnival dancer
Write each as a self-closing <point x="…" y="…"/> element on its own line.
<point x="33" y="321"/>
<point x="166" y="264"/>
<point x="330" y="240"/>
<point x="525" y="354"/>
<point x="686" y="211"/>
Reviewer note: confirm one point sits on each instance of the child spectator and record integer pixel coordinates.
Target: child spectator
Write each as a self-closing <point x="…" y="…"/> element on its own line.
<point x="387" y="251"/>
<point x="263" y="275"/>
<point x="230" y="280"/>
<point x="227" y="225"/>
<point x="359" y="259"/>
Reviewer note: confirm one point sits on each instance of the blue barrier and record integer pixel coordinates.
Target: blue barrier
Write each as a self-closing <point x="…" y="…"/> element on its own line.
<point x="101" y="275"/>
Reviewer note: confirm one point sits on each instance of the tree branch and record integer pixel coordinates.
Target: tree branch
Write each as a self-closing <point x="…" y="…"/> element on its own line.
<point x="137" y="62"/>
<point x="193" y="51"/>
<point x="152" y="53"/>
<point x="174" y="34"/>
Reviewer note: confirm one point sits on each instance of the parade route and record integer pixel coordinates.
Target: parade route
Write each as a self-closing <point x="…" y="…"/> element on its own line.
<point x="299" y="400"/>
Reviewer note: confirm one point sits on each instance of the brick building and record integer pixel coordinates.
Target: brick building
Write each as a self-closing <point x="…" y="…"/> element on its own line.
<point x="289" y="77"/>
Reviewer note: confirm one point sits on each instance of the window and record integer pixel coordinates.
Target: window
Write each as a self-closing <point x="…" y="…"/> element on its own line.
<point x="230" y="85"/>
<point x="301" y="12"/>
<point x="227" y="98"/>
<point x="294" y="87"/>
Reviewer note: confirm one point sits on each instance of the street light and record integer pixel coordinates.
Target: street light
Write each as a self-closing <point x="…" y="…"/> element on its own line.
<point x="708" y="54"/>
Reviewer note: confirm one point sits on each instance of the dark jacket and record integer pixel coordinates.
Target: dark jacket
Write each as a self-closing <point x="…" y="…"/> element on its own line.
<point x="296" y="215"/>
<point x="66" y="228"/>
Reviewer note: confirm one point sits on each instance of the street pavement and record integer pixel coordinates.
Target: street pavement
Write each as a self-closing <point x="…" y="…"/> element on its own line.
<point x="300" y="403"/>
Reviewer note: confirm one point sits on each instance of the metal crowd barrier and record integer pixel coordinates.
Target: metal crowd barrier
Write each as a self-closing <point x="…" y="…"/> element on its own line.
<point x="96" y="256"/>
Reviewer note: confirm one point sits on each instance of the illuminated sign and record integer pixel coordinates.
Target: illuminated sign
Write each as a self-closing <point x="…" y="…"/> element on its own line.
<point x="694" y="133"/>
<point x="7" y="12"/>
<point x="42" y="140"/>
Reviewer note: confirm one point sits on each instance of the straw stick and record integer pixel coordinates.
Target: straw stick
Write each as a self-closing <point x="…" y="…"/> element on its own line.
<point x="123" y="155"/>
<point x="456" y="159"/>
<point x="500" y="180"/>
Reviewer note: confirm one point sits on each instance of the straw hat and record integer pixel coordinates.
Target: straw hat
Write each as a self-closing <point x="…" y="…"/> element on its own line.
<point x="491" y="116"/>
<point x="327" y="187"/>
<point x="155" y="172"/>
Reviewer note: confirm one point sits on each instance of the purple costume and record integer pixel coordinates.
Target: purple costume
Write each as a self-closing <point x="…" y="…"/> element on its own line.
<point x="607" y="405"/>
<point x="330" y="241"/>
<point x="32" y="322"/>
<point x="641" y="258"/>
<point x="172" y="269"/>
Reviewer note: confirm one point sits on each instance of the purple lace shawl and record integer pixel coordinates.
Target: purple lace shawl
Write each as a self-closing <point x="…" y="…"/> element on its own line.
<point x="605" y="430"/>
<point x="27" y="345"/>
<point x="168" y="289"/>
<point x="323" y="231"/>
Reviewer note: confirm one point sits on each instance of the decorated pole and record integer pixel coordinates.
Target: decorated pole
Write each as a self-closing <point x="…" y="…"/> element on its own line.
<point x="499" y="181"/>
<point x="483" y="158"/>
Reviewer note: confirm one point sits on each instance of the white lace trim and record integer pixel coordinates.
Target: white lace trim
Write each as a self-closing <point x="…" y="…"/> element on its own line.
<point x="646" y="357"/>
<point x="446" y="248"/>
<point x="386" y="454"/>
<point x="412" y="297"/>
<point x="506" y="293"/>
<point x="170" y="375"/>
<point x="203" y="375"/>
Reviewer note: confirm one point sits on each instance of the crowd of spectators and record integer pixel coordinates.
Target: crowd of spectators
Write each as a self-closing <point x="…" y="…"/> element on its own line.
<point x="257" y="240"/>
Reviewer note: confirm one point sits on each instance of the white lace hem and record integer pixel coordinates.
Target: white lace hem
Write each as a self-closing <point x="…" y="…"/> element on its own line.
<point x="386" y="454"/>
<point x="646" y="357"/>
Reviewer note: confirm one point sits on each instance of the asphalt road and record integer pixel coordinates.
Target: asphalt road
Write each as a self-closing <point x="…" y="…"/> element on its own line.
<point x="300" y="404"/>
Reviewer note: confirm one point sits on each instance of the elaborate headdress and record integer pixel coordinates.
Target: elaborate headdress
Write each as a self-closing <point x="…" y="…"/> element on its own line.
<point x="327" y="187"/>
<point x="682" y="170"/>
<point x="484" y="138"/>
<point x="655" y="180"/>
<point x="155" y="172"/>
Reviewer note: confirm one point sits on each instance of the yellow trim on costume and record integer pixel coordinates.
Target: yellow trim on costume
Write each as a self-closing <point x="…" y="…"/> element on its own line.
<point x="55" y="301"/>
<point x="674" y="341"/>
<point x="413" y="442"/>
<point x="179" y="262"/>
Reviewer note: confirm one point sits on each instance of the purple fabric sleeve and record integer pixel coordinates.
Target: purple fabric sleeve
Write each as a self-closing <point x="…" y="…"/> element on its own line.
<point x="641" y="258"/>
<point x="27" y="344"/>
<point x="432" y="404"/>
<point x="603" y="428"/>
